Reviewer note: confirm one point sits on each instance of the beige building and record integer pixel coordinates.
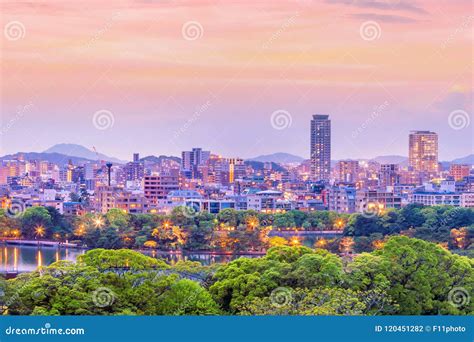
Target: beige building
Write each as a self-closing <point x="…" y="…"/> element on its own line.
<point x="423" y="151"/>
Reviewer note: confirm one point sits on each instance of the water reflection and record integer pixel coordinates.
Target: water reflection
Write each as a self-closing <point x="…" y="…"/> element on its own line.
<point x="29" y="258"/>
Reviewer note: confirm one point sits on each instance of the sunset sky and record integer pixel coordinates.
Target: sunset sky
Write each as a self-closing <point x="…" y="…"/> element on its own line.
<point x="180" y="74"/>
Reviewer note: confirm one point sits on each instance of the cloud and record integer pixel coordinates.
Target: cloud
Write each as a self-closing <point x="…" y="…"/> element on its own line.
<point x="395" y="5"/>
<point x="388" y="18"/>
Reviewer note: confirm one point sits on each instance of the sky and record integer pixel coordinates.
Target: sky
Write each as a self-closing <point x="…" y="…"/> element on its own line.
<point x="240" y="78"/>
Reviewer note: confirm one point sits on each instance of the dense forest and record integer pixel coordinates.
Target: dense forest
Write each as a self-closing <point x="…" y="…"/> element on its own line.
<point x="406" y="276"/>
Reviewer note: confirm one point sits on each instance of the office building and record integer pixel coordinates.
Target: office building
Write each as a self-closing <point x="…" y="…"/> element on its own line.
<point x="320" y="148"/>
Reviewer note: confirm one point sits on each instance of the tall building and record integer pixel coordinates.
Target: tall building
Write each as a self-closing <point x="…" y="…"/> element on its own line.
<point x="320" y="148"/>
<point x="347" y="171"/>
<point x="423" y="152"/>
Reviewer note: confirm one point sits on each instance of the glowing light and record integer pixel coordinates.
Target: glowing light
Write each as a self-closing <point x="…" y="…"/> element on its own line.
<point x="98" y="222"/>
<point x="39" y="231"/>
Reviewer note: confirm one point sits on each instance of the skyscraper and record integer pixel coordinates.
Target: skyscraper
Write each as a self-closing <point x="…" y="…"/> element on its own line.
<point x="423" y="152"/>
<point x="320" y="148"/>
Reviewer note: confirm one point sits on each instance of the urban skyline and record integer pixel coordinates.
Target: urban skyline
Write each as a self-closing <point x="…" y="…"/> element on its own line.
<point x="187" y="79"/>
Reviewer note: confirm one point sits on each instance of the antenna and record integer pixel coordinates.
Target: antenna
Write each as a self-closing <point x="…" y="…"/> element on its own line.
<point x="109" y="166"/>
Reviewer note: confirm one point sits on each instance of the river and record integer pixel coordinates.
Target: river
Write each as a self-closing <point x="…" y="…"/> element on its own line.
<point x="21" y="258"/>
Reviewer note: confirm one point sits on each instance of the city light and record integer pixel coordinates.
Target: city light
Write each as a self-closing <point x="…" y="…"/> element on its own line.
<point x="98" y="222"/>
<point x="39" y="231"/>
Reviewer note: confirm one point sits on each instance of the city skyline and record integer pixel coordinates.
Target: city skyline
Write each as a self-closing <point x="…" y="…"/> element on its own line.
<point x="168" y="76"/>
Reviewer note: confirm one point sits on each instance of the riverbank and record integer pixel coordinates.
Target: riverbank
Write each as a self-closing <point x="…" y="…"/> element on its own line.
<point x="41" y="243"/>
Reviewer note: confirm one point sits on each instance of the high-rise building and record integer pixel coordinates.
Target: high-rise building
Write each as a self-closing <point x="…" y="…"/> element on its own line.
<point x="423" y="152"/>
<point x="320" y="148"/>
<point x="347" y="171"/>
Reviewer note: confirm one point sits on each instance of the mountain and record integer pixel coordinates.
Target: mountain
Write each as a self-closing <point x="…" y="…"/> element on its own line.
<point x="390" y="159"/>
<point x="465" y="160"/>
<point x="279" y="157"/>
<point x="79" y="151"/>
<point x="159" y="159"/>
<point x="257" y="165"/>
<point x="55" y="158"/>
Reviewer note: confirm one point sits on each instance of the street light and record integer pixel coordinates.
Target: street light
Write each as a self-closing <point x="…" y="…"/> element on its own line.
<point x="98" y="222"/>
<point x="39" y="230"/>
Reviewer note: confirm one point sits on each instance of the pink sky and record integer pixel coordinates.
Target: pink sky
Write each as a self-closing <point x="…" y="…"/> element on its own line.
<point x="250" y="59"/>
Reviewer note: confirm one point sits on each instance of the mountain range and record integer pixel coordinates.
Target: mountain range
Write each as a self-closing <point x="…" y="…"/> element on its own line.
<point x="61" y="154"/>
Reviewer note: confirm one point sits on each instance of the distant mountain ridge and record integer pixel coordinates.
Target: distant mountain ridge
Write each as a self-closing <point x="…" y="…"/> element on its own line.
<point x="80" y="151"/>
<point x="279" y="158"/>
<point x="55" y="158"/>
<point x="464" y="160"/>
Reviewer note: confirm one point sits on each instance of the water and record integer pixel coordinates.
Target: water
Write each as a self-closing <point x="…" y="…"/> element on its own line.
<point x="29" y="258"/>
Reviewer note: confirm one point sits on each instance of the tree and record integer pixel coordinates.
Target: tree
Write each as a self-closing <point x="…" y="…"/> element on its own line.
<point x="186" y="297"/>
<point x="104" y="259"/>
<point x="418" y="275"/>
<point x="32" y="219"/>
